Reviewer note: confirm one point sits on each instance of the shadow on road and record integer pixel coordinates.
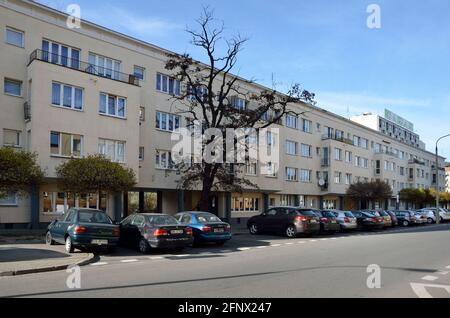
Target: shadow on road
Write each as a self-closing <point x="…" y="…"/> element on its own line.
<point x="14" y="254"/>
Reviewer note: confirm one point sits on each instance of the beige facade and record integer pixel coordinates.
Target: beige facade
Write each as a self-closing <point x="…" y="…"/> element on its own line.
<point x="63" y="108"/>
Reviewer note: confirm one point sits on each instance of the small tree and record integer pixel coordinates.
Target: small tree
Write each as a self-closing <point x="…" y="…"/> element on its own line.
<point x="18" y="171"/>
<point x="94" y="174"/>
<point x="366" y="192"/>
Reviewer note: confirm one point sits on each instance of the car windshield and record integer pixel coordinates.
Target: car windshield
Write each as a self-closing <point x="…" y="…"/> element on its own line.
<point x="163" y="220"/>
<point x="328" y="214"/>
<point x="207" y="218"/>
<point x="87" y="216"/>
<point x="349" y="214"/>
<point x="307" y="212"/>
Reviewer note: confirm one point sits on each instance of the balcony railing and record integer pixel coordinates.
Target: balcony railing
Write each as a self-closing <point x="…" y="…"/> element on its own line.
<point x="78" y="65"/>
<point x="416" y="162"/>
<point x="337" y="138"/>
<point x="27" y="111"/>
<point x="386" y="152"/>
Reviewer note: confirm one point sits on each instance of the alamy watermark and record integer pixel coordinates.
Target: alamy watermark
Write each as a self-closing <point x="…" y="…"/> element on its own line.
<point x="73" y="281"/>
<point x="374" y="18"/>
<point x="74" y="18"/>
<point x="374" y="279"/>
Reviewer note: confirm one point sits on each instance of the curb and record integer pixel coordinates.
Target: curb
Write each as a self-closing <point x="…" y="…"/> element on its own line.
<point x="91" y="258"/>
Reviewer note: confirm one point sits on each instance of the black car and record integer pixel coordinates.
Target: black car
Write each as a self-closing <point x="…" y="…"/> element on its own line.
<point x="328" y="222"/>
<point x="368" y="221"/>
<point x="406" y="218"/>
<point x="290" y="221"/>
<point x="393" y="218"/>
<point x="146" y="231"/>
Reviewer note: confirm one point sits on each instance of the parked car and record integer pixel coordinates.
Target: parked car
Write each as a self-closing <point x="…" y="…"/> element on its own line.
<point x="430" y="216"/>
<point x="368" y="221"/>
<point x="328" y="222"/>
<point x="290" y="221"/>
<point x="385" y="218"/>
<point x="206" y="227"/>
<point x="393" y="218"/>
<point x="406" y="218"/>
<point x="83" y="228"/>
<point x="420" y="217"/>
<point x="146" y="231"/>
<point x="444" y="214"/>
<point x="346" y="220"/>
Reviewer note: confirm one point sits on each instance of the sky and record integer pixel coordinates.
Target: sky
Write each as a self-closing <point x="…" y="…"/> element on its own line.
<point x="325" y="46"/>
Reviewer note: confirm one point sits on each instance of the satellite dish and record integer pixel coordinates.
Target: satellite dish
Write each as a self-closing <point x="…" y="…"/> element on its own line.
<point x="321" y="182"/>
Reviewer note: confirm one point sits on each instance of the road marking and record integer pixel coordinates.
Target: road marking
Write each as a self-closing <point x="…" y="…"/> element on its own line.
<point x="181" y="255"/>
<point x="243" y="248"/>
<point x="154" y="258"/>
<point x="448" y="267"/>
<point x="313" y="240"/>
<point x="129" y="261"/>
<point x="261" y="247"/>
<point x="324" y="239"/>
<point x="301" y="242"/>
<point x="275" y="245"/>
<point x="430" y="278"/>
<point x="288" y="243"/>
<point x="334" y="238"/>
<point x="421" y="289"/>
<point x="442" y="273"/>
<point x="99" y="264"/>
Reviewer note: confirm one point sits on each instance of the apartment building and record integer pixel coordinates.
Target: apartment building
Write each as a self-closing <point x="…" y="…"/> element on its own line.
<point x="72" y="92"/>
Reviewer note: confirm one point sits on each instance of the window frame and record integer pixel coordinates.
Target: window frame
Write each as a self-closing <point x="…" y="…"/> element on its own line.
<point x="8" y="28"/>
<point x="18" y="136"/>
<point x="163" y="80"/>
<point x="159" y="122"/>
<point x="116" y="150"/>
<point x="59" y="154"/>
<point x="73" y="97"/>
<point x="116" y="105"/>
<point x="7" y="79"/>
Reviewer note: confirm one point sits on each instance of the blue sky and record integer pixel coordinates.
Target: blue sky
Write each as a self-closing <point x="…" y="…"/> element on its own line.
<point x="324" y="45"/>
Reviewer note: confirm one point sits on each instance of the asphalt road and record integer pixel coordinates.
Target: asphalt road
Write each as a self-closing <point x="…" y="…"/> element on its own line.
<point x="414" y="262"/>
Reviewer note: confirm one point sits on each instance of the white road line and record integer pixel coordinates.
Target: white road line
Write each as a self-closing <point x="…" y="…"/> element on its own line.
<point x="261" y="247"/>
<point x="154" y="258"/>
<point x="421" y="289"/>
<point x="448" y="267"/>
<point x="243" y="248"/>
<point x="334" y="238"/>
<point x="182" y="255"/>
<point x="429" y="278"/>
<point x="442" y="273"/>
<point x="301" y="242"/>
<point x="99" y="264"/>
<point x="129" y="261"/>
<point x="324" y="239"/>
<point x="275" y="245"/>
<point x="288" y="243"/>
<point x="313" y="240"/>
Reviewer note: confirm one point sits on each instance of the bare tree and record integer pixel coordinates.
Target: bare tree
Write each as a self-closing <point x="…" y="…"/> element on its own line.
<point x="209" y="95"/>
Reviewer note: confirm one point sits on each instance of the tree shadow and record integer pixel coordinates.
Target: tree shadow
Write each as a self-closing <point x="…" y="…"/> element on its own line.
<point x="14" y="254"/>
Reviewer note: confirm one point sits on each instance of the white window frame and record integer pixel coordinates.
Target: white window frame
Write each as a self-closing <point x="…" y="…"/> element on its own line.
<point x="169" y="164"/>
<point x="116" y="105"/>
<point x="292" y="177"/>
<point x="305" y="175"/>
<point x="137" y="67"/>
<point x="9" y="195"/>
<point x="61" y="96"/>
<point x="116" y="156"/>
<point x="306" y="125"/>
<point x="251" y="168"/>
<point x="308" y="149"/>
<point x="337" y="177"/>
<point x="69" y="57"/>
<point x="291" y="145"/>
<point x="348" y="156"/>
<point x="59" y="154"/>
<point x="159" y="121"/>
<point x="22" y="45"/>
<point x="239" y="103"/>
<point x="164" y="81"/>
<point x="102" y="70"/>
<point x="245" y="204"/>
<point x="20" y="83"/>
<point x="18" y="136"/>
<point x="291" y="121"/>
<point x="141" y="153"/>
<point x="338" y="154"/>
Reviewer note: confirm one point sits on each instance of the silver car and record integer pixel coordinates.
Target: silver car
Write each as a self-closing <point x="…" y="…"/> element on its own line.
<point x="431" y="217"/>
<point x="346" y="220"/>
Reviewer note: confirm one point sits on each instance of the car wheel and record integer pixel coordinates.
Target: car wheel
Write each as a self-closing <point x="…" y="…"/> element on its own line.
<point x="291" y="231"/>
<point x="69" y="245"/>
<point x="49" y="239"/>
<point x="405" y="223"/>
<point x="253" y="228"/>
<point x="144" y="247"/>
<point x="111" y="250"/>
<point x="430" y="221"/>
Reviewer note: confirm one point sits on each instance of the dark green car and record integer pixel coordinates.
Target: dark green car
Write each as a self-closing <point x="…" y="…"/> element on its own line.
<point x="83" y="228"/>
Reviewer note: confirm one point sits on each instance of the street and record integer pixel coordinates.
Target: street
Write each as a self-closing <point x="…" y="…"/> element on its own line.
<point x="265" y="266"/>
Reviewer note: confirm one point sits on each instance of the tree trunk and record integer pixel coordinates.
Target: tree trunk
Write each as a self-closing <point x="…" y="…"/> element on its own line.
<point x="205" y="195"/>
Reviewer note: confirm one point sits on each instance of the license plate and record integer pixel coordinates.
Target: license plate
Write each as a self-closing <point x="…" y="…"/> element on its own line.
<point x="100" y="242"/>
<point x="334" y="222"/>
<point x="313" y="221"/>
<point x="219" y="230"/>
<point x="176" y="232"/>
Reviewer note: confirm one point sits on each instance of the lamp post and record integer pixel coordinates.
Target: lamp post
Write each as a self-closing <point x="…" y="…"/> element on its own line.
<point x="438" y="217"/>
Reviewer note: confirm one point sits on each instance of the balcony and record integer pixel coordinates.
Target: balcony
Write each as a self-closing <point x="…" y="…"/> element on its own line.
<point x="386" y="152"/>
<point x="27" y="111"/>
<point x="416" y="162"/>
<point x="84" y="67"/>
<point x="337" y="138"/>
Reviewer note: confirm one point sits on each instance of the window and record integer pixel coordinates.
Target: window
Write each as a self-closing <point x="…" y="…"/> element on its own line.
<point x="104" y="66"/>
<point x="356" y="141"/>
<point x="337" y="154"/>
<point x="402" y="171"/>
<point x="139" y="72"/>
<point x="306" y="126"/>
<point x="337" y="177"/>
<point x="114" y="150"/>
<point x="271" y="170"/>
<point x="291" y="121"/>
<point x="142" y="113"/>
<point x="141" y="153"/>
<point x="8" y="198"/>
<point x="164" y="160"/>
<point x="348" y="178"/>
<point x="239" y="103"/>
<point x="306" y="150"/>
<point x="167" y="122"/>
<point x="60" y="54"/>
<point x="348" y="157"/>
<point x="291" y="174"/>
<point x="305" y="175"/>
<point x="365" y="163"/>
<point x="250" y="168"/>
<point x="67" y="96"/>
<point x="197" y="93"/>
<point x="291" y="147"/>
<point x="112" y="105"/>
<point x="66" y="145"/>
<point x="244" y="204"/>
<point x="12" y="138"/>
<point x="168" y="85"/>
<point x="270" y="137"/>
<point x="364" y="143"/>
<point x="357" y="161"/>
<point x="15" y="37"/>
<point x="339" y="134"/>
<point x="13" y="87"/>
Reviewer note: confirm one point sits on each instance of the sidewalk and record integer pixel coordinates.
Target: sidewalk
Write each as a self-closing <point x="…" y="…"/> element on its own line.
<point x="20" y="259"/>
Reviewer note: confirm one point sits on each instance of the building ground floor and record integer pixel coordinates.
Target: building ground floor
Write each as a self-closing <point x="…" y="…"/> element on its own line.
<point x="47" y="202"/>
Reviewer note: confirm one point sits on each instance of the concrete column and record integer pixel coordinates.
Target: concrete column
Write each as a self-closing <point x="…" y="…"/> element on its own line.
<point x="180" y="200"/>
<point x="34" y="196"/>
<point x="341" y="203"/>
<point x="159" y="205"/>
<point x="141" y="202"/>
<point x="118" y="207"/>
<point x="227" y="211"/>
<point x="321" y="202"/>
<point x="265" y="201"/>
<point x="297" y="200"/>
<point x="125" y="204"/>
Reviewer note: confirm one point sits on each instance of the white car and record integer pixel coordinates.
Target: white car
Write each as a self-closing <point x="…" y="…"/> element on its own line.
<point x="431" y="217"/>
<point x="444" y="215"/>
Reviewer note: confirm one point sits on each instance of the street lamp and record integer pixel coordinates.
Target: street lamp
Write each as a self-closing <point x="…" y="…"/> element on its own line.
<point x="438" y="217"/>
